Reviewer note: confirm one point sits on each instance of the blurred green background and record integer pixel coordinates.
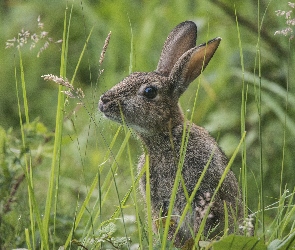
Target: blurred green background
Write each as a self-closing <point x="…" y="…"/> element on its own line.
<point x="148" y="23"/>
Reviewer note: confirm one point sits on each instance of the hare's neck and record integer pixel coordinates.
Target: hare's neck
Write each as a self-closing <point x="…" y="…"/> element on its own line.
<point x="164" y="137"/>
<point x="162" y="142"/>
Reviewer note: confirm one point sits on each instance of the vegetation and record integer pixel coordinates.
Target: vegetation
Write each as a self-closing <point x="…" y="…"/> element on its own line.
<point x="68" y="176"/>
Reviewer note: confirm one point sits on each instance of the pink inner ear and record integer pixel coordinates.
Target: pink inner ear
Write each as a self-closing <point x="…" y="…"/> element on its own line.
<point x="199" y="60"/>
<point x="194" y="67"/>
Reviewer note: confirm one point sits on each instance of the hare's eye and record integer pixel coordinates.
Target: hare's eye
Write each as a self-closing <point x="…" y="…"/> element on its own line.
<point x="150" y="92"/>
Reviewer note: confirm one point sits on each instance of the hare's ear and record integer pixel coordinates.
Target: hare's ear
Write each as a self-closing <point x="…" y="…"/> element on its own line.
<point x="192" y="63"/>
<point x="181" y="39"/>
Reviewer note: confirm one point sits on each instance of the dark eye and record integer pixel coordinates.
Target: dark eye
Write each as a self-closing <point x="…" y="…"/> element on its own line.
<point x="150" y="92"/>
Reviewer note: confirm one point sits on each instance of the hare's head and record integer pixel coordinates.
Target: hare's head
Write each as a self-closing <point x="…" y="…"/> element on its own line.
<point x="148" y="102"/>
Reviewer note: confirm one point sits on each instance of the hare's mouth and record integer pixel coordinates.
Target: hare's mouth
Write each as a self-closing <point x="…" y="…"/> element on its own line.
<point x="105" y="109"/>
<point x="112" y="117"/>
<point x="102" y="106"/>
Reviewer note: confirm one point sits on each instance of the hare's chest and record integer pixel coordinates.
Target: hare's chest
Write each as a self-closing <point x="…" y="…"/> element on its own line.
<point x="162" y="173"/>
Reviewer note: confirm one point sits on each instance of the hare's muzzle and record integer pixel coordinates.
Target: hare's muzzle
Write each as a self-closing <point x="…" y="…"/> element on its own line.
<point x="106" y="105"/>
<point x="102" y="104"/>
<point x="109" y="108"/>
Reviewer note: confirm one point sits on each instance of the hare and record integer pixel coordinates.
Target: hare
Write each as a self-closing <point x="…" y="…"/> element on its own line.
<point x="148" y="103"/>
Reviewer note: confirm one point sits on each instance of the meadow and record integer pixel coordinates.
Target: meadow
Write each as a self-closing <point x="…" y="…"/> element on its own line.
<point x="68" y="176"/>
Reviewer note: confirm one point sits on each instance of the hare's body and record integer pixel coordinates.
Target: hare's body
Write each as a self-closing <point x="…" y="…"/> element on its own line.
<point x="149" y="104"/>
<point x="163" y="163"/>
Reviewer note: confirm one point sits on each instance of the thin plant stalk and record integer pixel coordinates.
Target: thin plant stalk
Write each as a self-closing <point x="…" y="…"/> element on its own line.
<point x="185" y="137"/>
<point x="79" y="215"/>
<point x="35" y="215"/>
<point x="97" y="207"/>
<point x="188" y="204"/>
<point x="243" y="124"/>
<point x="285" y="120"/>
<point x="28" y="241"/>
<point x="227" y="169"/>
<point x="148" y="202"/>
<point x="55" y="165"/>
<point x="32" y="220"/>
<point x="139" y="228"/>
<point x="259" y="124"/>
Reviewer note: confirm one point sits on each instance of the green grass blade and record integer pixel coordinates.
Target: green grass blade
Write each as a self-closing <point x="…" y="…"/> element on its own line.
<point x="37" y="215"/>
<point x="225" y="219"/>
<point x="34" y="209"/>
<point x="108" y="181"/>
<point x="98" y="202"/>
<point x="131" y="48"/>
<point x="227" y="169"/>
<point x="285" y="121"/>
<point x="104" y="188"/>
<point x="134" y="182"/>
<point x="109" y="178"/>
<point x="28" y="242"/>
<point x="81" y="56"/>
<point x="124" y="200"/>
<point x="287" y="243"/>
<point x="260" y="123"/>
<point x="178" y="179"/>
<point x="25" y="100"/>
<point x="290" y="213"/>
<point x="82" y="210"/>
<point x="267" y="85"/>
<point x="58" y="134"/>
<point x="243" y="122"/>
<point x="148" y="202"/>
<point x="32" y="220"/>
<point x="192" y="196"/>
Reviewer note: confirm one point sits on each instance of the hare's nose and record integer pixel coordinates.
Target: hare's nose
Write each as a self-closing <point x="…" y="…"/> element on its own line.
<point x="102" y="101"/>
<point x="104" y="98"/>
<point x="100" y="105"/>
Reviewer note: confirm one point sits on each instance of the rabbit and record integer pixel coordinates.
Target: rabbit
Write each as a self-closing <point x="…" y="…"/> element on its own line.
<point x="148" y="103"/>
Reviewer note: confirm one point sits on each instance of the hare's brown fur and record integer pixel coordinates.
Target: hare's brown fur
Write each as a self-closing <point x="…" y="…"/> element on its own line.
<point x="149" y="104"/>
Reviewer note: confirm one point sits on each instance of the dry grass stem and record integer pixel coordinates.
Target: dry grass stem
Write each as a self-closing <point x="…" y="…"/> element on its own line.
<point x="290" y="22"/>
<point x="24" y="37"/>
<point x="104" y="49"/>
<point x="71" y="92"/>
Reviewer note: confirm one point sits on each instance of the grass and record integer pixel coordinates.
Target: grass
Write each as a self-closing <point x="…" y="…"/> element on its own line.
<point x="93" y="214"/>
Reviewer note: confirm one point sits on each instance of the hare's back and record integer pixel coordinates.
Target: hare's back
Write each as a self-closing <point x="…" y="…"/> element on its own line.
<point x="203" y="148"/>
